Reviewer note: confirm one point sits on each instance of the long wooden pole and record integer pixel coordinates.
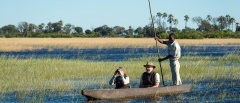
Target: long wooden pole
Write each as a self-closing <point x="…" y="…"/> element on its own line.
<point x="156" y="40"/>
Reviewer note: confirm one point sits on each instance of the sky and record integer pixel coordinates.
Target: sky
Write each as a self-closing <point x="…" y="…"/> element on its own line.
<point x="90" y="14"/>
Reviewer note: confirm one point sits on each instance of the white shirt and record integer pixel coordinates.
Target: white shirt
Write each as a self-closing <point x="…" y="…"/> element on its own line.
<point x="174" y="50"/>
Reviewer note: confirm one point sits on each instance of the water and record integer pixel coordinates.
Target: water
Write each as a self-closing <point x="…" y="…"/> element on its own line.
<point x="226" y="90"/>
<point x="120" y="54"/>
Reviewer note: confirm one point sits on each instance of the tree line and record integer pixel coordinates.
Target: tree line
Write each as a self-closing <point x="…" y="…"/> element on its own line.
<point x="209" y="27"/>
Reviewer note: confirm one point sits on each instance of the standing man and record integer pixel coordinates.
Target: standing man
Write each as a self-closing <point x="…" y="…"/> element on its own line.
<point x="149" y="78"/>
<point x="174" y="53"/>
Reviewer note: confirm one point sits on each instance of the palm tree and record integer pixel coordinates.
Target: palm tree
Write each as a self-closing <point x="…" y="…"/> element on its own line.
<point x="222" y="22"/>
<point x="175" y="22"/>
<point x="186" y="19"/>
<point x="159" y="15"/>
<point x="130" y="30"/>
<point x="209" y="18"/>
<point x="170" y="20"/>
<point x="41" y="26"/>
<point x="165" y="15"/>
<point x="26" y="29"/>
<point x="49" y="27"/>
<point x="237" y="26"/>
<point x="32" y="27"/>
<point x="228" y="20"/>
<point x="232" y="21"/>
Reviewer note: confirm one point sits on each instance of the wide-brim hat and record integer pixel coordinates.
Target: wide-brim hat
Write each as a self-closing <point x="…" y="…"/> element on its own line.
<point x="149" y="64"/>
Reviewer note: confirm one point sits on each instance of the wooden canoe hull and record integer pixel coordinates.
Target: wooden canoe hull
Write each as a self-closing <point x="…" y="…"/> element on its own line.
<point x="111" y="94"/>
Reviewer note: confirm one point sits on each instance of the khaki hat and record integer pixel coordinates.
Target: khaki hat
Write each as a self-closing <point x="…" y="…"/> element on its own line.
<point x="149" y="64"/>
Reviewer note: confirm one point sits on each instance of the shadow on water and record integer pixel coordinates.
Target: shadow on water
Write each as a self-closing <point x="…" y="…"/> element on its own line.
<point x="119" y="54"/>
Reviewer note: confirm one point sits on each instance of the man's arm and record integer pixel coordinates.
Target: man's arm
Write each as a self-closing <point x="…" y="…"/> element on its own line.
<point x="160" y="40"/>
<point x="156" y="85"/>
<point x="157" y="81"/>
<point x="162" y="59"/>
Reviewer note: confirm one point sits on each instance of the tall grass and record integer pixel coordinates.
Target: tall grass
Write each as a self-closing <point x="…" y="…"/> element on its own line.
<point x="34" y="79"/>
<point x="18" y="44"/>
<point x="60" y="75"/>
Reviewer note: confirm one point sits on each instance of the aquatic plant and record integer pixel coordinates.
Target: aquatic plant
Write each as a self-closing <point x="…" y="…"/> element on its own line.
<point x="32" y="80"/>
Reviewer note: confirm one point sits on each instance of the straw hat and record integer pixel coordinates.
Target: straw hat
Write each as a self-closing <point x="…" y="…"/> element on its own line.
<point x="149" y="64"/>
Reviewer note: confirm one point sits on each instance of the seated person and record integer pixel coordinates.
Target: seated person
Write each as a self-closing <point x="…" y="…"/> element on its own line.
<point x="149" y="78"/>
<point x="120" y="79"/>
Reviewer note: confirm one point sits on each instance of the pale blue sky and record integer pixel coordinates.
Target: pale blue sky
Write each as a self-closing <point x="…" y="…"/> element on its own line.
<point x="94" y="13"/>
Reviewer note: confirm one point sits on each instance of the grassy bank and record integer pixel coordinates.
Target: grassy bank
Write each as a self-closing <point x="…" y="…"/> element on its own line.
<point x="17" y="44"/>
<point x="60" y="75"/>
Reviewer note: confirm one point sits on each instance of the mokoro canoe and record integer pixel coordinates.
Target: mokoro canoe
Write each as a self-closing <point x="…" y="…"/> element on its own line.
<point x="112" y="94"/>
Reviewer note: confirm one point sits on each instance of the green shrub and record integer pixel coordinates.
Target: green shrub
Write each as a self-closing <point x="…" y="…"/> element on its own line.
<point x="2" y="36"/>
<point x="163" y="35"/>
<point x="139" y="36"/>
<point x="237" y="34"/>
<point x="190" y="34"/>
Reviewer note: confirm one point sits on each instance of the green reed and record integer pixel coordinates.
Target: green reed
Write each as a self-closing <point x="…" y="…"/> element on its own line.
<point x="28" y="75"/>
